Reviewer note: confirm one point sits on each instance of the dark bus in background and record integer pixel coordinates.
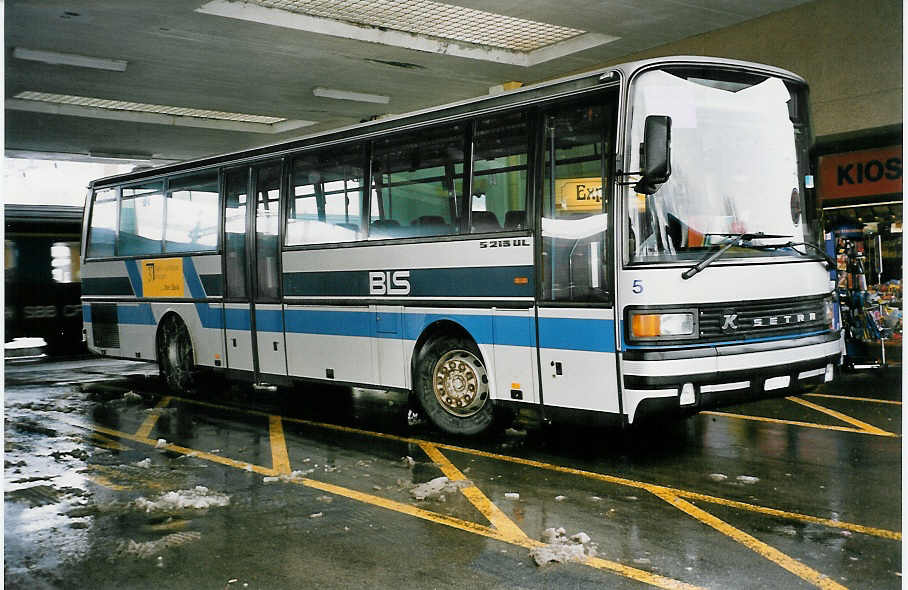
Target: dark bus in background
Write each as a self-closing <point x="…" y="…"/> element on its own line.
<point x="42" y="276"/>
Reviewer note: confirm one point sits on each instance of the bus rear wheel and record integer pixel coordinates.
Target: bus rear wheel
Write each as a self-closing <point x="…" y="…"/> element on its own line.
<point x="175" y="360"/>
<point x="452" y="385"/>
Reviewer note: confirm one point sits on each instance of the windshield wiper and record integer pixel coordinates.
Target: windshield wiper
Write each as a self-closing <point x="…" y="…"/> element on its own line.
<point x="830" y="262"/>
<point x="734" y="240"/>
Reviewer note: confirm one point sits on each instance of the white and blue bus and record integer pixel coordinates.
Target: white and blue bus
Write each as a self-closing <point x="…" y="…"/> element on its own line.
<point x="635" y="240"/>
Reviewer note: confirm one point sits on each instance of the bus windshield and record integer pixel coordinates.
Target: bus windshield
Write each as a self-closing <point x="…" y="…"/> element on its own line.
<point x="738" y="160"/>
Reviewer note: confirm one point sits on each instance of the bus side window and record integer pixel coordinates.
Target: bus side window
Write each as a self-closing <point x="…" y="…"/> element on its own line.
<point x="417" y="183"/>
<point x="326" y="197"/>
<point x="191" y="223"/>
<point x="103" y="228"/>
<point x="236" y="188"/>
<point x="575" y="225"/>
<point x="500" y="173"/>
<point x="141" y="219"/>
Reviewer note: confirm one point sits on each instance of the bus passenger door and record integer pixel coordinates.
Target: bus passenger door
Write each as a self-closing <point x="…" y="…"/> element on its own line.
<point x="575" y="314"/>
<point x="268" y="312"/>
<point x="237" y="320"/>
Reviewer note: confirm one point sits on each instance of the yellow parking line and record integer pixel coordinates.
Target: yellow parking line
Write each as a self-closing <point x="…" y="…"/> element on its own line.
<point x="794" y="566"/>
<point x="104" y="482"/>
<point x="869" y="428"/>
<point x="108" y="443"/>
<point x="280" y="461"/>
<point x="792" y="422"/>
<point x="884" y="533"/>
<point x="499" y="520"/>
<point x="853" y="398"/>
<point x="511" y="533"/>
<point x="603" y="564"/>
<point x="857" y="528"/>
<point x="152" y="419"/>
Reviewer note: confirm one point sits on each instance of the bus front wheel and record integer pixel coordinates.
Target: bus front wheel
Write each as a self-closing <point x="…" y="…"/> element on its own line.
<point x="452" y="385"/>
<point x="175" y="360"/>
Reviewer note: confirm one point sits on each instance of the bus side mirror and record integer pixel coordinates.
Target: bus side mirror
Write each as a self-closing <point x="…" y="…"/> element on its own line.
<point x="655" y="153"/>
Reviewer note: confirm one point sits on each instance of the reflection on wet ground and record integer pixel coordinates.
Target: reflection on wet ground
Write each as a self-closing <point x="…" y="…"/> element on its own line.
<point x="112" y="482"/>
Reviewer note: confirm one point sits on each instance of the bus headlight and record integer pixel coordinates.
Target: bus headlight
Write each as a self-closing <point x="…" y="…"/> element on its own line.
<point x="646" y="326"/>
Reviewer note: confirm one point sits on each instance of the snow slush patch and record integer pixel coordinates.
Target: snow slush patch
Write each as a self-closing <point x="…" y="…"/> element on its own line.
<point x="560" y="548"/>
<point x="198" y="498"/>
<point x="718" y="476"/>
<point x="152" y="548"/>
<point x="436" y="489"/>
<point x="131" y="397"/>
<point x="748" y="479"/>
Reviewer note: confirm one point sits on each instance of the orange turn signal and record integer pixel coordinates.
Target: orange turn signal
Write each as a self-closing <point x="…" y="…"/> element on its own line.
<point x="521" y="280"/>
<point x="646" y="325"/>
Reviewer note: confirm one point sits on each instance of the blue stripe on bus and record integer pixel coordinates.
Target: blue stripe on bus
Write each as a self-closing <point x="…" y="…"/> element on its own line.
<point x="237" y="319"/>
<point x="333" y="323"/>
<point x="136" y="314"/>
<point x="269" y="320"/>
<point x="577" y="334"/>
<point x="86" y="313"/>
<point x="210" y="317"/>
<point x="559" y="333"/>
<point x="135" y="276"/>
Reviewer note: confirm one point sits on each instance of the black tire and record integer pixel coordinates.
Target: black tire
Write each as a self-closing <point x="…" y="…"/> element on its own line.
<point x="175" y="360"/>
<point x="452" y="386"/>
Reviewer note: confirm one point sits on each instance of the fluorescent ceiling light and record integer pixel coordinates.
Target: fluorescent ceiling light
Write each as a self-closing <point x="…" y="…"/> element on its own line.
<point x="70" y="59"/>
<point x="100" y="108"/>
<point x="435" y="19"/>
<point x="122" y="105"/>
<point x="421" y="25"/>
<point x="346" y="95"/>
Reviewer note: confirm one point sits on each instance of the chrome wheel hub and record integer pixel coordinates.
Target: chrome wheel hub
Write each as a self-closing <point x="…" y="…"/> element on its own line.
<point x="460" y="383"/>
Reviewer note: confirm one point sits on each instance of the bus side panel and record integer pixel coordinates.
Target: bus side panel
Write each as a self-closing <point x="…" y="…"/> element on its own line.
<point x="330" y="342"/>
<point x="577" y="358"/>
<point x="104" y="284"/>
<point x="389" y="351"/>
<point x="129" y="308"/>
<point x="383" y="335"/>
<point x="514" y="335"/>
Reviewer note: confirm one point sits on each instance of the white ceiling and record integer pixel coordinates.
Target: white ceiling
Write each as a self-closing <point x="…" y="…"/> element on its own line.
<point x="268" y="62"/>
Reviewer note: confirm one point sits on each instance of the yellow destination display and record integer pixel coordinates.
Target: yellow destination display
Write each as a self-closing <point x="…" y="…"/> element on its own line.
<point x="579" y="194"/>
<point x="163" y="277"/>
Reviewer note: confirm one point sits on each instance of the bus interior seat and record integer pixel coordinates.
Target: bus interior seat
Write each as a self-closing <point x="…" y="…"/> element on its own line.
<point x="430" y="225"/>
<point x="389" y="228"/>
<point x="515" y="219"/>
<point x="484" y="221"/>
<point x="429" y="220"/>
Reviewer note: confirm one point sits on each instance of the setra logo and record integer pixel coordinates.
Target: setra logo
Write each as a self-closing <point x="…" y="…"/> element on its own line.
<point x="389" y="282"/>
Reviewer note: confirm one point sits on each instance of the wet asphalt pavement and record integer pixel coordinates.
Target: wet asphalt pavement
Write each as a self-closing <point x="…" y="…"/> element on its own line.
<point x="112" y="483"/>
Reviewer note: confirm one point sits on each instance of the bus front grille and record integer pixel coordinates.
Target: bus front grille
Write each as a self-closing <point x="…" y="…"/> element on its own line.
<point x="758" y="319"/>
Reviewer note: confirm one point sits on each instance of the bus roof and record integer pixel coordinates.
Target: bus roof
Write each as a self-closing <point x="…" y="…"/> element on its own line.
<point x="364" y="130"/>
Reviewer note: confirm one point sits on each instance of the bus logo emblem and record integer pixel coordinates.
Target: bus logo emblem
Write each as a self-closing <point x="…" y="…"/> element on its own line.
<point x="730" y="324"/>
<point x="389" y="282"/>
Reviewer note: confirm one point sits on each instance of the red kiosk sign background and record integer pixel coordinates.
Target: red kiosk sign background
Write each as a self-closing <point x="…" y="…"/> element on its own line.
<point x="861" y="174"/>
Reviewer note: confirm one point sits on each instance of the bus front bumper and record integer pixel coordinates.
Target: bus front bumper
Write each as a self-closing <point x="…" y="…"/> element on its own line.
<point x="690" y="380"/>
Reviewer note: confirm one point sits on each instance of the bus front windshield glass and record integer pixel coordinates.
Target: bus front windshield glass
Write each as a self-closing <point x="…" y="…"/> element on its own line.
<point x="738" y="159"/>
